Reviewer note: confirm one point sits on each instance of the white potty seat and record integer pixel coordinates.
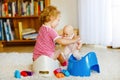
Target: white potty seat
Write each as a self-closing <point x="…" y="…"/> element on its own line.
<point x="44" y="66"/>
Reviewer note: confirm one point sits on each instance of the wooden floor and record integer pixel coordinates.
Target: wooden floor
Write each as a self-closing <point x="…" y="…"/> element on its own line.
<point x="17" y="49"/>
<point x="29" y="48"/>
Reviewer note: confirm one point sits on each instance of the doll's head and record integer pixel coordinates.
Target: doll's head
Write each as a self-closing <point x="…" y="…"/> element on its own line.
<point x="68" y="31"/>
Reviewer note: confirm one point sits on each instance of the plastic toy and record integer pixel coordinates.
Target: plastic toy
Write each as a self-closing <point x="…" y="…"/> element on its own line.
<point x="84" y="66"/>
<point x="29" y="73"/>
<point x="17" y="74"/>
<point x="58" y="70"/>
<point x="60" y="75"/>
<point x="44" y="66"/>
<point x="26" y="73"/>
<point x="66" y="73"/>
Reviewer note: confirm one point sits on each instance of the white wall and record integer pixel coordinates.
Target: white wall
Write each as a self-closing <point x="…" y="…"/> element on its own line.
<point x="68" y="10"/>
<point x="115" y="23"/>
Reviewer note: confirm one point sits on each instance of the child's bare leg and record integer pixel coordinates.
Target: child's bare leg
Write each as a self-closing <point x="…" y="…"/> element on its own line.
<point x="62" y="60"/>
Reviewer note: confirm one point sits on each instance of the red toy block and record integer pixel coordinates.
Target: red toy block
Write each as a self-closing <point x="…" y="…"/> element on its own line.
<point x="58" y="70"/>
<point x="24" y="73"/>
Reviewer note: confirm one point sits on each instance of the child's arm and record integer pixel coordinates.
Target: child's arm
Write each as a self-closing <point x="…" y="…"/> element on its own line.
<point x="63" y="41"/>
<point x="79" y="43"/>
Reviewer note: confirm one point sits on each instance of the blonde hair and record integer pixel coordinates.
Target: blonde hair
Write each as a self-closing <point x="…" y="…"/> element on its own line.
<point x="48" y="13"/>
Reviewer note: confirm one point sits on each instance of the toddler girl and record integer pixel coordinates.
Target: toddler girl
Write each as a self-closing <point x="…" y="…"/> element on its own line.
<point x="47" y="36"/>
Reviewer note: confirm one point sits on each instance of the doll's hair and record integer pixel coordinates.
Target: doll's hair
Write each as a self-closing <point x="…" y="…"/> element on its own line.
<point x="48" y="13"/>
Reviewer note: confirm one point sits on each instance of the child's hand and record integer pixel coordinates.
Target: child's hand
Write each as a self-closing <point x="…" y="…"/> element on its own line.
<point x="79" y="45"/>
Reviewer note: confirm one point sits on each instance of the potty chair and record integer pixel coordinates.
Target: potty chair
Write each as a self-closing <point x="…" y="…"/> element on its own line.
<point x="44" y="66"/>
<point x="84" y="66"/>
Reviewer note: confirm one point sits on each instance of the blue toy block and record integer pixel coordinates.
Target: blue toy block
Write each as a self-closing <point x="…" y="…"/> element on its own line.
<point x="84" y="66"/>
<point x="17" y="74"/>
<point x="66" y="73"/>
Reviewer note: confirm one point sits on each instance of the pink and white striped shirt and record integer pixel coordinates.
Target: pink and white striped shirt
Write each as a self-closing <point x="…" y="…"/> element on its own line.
<point x="45" y="42"/>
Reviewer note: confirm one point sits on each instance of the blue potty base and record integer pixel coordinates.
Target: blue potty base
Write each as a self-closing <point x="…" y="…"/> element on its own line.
<point x="83" y="66"/>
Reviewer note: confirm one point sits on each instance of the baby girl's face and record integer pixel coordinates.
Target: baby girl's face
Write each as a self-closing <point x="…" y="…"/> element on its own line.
<point x="67" y="32"/>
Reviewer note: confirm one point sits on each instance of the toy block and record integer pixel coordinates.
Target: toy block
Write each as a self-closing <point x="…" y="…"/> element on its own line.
<point x="58" y="70"/>
<point x="66" y="73"/>
<point x="17" y="74"/>
<point x="24" y="73"/>
<point x="60" y="75"/>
